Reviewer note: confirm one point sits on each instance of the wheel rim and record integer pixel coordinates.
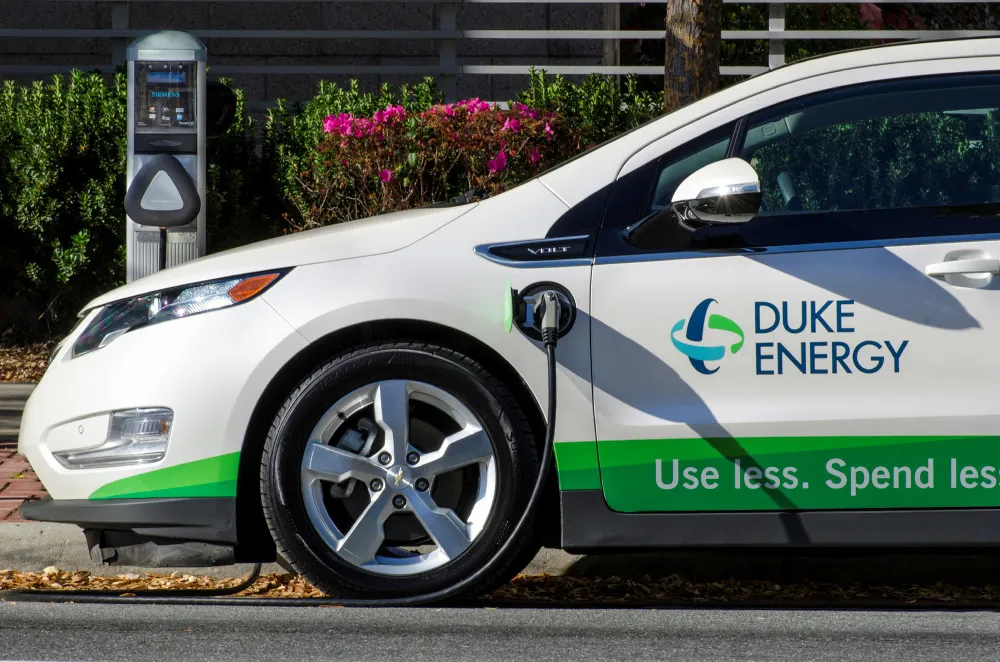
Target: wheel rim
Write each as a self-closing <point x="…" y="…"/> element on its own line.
<point x="402" y="494"/>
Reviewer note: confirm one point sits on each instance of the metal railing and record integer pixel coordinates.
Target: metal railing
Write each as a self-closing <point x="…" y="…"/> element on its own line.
<point x="446" y="35"/>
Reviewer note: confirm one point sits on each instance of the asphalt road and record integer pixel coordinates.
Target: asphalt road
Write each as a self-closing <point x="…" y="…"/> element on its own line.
<point x="132" y="632"/>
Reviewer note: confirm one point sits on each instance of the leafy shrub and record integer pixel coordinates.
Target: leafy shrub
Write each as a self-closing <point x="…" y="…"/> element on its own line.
<point x="397" y="159"/>
<point x="239" y="208"/>
<point x="62" y="165"/>
<point x="598" y="106"/>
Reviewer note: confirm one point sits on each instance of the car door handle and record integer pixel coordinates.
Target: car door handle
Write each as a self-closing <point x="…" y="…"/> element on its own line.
<point x="976" y="265"/>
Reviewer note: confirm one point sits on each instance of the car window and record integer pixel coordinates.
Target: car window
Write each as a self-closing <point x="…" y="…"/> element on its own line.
<point x="889" y="150"/>
<point x="888" y="160"/>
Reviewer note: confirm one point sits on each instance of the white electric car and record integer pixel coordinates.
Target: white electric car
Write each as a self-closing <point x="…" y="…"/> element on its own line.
<point x="779" y="327"/>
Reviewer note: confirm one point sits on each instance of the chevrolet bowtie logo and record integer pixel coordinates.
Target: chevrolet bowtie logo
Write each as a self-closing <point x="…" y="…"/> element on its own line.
<point x="397" y="477"/>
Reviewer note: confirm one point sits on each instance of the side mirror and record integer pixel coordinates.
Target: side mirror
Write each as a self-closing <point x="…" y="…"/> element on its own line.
<point x="220" y="108"/>
<point x="721" y="193"/>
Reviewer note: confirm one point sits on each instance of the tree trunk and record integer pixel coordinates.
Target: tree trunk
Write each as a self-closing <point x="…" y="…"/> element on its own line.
<point x="693" y="51"/>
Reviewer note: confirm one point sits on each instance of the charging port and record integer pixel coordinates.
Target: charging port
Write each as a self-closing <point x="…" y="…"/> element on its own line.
<point x="529" y="307"/>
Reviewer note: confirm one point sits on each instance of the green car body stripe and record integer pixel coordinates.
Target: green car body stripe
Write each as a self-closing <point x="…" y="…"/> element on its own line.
<point x="576" y="463"/>
<point x="801" y="473"/>
<point x="211" y="477"/>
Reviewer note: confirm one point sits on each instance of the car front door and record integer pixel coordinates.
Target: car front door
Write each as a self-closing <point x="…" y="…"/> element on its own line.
<point x="836" y="352"/>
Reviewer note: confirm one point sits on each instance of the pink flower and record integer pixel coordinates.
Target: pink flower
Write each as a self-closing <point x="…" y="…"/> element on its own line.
<point x="385" y="175"/>
<point x="548" y="131"/>
<point x="390" y="115"/>
<point x="512" y="124"/>
<point x="338" y="124"/>
<point x="498" y="162"/>
<point x="535" y="155"/>
<point x="526" y="111"/>
<point x="447" y="109"/>
<point x="474" y="105"/>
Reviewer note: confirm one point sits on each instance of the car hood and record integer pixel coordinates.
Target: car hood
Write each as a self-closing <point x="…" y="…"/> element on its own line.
<point x="371" y="236"/>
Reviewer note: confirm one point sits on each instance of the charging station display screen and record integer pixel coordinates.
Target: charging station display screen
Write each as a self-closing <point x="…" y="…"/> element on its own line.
<point x="165" y="96"/>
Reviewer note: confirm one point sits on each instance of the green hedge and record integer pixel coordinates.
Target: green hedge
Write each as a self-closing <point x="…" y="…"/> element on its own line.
<point x="62" y="177"/>
<point x="62" y="165"/>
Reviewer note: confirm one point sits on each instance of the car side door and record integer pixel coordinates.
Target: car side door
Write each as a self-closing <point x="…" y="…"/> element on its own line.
<point x="836" y="352"/>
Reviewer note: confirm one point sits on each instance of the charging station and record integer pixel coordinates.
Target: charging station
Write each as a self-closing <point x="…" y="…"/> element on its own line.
<point x="166" y="168"/>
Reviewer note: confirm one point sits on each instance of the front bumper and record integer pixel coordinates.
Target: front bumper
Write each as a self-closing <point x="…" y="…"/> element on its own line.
<point x="209" y="369"/>
<point x="183" y="532"/>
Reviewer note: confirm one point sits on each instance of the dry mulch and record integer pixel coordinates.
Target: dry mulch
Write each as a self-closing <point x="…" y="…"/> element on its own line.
<point x="24" y="363"/>
<point x="548" y="589"/>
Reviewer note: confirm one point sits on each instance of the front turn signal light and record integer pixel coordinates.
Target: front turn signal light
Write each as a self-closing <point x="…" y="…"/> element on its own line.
<point x="250" y="287"/>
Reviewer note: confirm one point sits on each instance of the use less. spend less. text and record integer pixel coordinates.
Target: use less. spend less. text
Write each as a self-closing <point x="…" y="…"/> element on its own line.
<point x="841" y="476"/>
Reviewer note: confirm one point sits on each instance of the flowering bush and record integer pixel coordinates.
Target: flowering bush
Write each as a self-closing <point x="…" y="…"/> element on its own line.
<point x="398" y="159"/>
<point x="293" y="132"/>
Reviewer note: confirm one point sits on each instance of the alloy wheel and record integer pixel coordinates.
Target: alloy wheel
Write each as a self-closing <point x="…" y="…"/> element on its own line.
<point x="399" y="477"/>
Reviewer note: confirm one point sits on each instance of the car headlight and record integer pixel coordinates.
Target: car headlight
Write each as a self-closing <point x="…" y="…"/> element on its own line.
<point x="116" y="319"/>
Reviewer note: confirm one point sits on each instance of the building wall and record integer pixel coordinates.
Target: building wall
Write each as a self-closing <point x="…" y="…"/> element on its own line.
<point x="290" y="15"/>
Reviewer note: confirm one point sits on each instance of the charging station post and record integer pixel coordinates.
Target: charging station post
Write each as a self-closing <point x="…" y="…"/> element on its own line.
<point x="166" y="161"/>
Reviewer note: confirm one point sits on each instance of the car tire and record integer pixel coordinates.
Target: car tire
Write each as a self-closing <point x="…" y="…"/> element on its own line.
<point x="300" y="508"/>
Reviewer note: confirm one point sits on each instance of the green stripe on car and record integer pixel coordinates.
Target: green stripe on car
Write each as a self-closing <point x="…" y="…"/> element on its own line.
<point x="576" y="463"/>
<point x="211" y="477"/>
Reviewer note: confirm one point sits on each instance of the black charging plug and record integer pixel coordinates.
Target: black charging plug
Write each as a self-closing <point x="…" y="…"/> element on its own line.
<point x="547" y="309"/>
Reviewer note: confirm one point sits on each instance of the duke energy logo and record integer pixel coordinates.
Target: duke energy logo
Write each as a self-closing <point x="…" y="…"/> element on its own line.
<point x="691" y="346"/>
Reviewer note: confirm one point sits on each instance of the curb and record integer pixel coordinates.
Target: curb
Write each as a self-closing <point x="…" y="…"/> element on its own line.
<point x="34" y="546"/>
<point x="12" y="399"/>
